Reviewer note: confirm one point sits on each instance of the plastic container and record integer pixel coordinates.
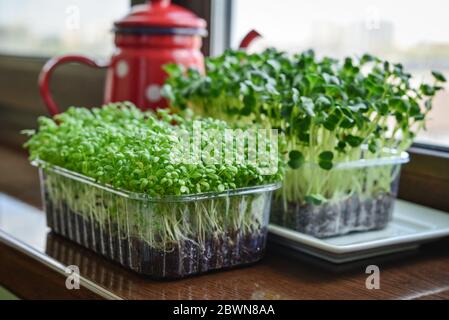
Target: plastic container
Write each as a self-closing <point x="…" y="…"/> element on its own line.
<point x="167" y="237"/>
<point x="356" y="196"/>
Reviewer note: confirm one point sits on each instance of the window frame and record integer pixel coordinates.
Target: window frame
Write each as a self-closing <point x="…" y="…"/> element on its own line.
<point x="425" y="179"/>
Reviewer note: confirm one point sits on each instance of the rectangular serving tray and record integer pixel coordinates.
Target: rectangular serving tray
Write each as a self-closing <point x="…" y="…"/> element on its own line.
<point x="411" y="226"/>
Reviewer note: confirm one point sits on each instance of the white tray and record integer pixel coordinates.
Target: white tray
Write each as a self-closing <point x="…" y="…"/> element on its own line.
<point x="412" y="225"/>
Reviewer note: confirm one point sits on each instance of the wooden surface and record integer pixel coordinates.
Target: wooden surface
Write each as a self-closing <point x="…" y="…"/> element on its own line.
<point x="35" y="268"/>
<point x="278" y="276"/>
<point x="25" y="277"/>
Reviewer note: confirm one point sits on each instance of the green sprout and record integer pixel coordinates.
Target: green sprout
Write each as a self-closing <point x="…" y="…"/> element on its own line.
<point x="131" y="185"/>
<point x="330" y="111"/>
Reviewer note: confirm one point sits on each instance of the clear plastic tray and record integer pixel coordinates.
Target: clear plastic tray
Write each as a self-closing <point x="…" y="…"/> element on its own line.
<point x="166" y="237"/>
<point x="357" y="196"/>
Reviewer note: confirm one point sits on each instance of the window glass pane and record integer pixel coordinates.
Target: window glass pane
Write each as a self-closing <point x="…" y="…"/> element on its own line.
<point x="414" y="33"/>
<point x="48" y="27"/>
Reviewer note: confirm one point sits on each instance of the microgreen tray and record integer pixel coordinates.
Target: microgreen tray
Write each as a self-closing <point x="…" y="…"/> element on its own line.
<point x="163" y="237"/>
<point x="359" y="196"/>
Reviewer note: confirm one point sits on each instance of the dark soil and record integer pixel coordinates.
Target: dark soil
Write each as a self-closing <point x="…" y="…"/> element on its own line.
<point x="327" y="220"/>
<point x="177" y="260"/>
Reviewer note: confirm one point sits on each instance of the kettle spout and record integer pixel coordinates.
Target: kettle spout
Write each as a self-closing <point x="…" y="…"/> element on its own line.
<point x="249" y="38"/>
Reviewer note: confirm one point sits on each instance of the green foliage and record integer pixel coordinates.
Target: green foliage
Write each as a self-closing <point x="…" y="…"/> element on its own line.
<point x="296" y="159"/>
<point x="329" y="110"/>
<point x="121" y="146"/>
<point x="345" y="102"/>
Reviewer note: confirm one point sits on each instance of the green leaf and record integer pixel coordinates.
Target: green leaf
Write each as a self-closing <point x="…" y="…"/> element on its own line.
<point x="341" y="145"/>
<point x="419" y="117"/>
<point x="274" y="64"/>
<point x="308" y="105"/>
<point x="326" y="156"/>
<point x="347" y="123"/>
<point x="295" y="95"/>
<point x="367" y="58"/>
<point x="271" y="89"/>
<point x="296" y="159"/>
<point x="295" y="164"/>
<point x="427" y="90"/>
<point x="333" y="90"/>
<point x="353" y="141"/>
<point x="331" y="79"/>
<point x="413" y="109"/>
<point x="323" y="101"/>
<point x="249" y="102"/>
<point x="438" y="76"/>
<point x="399" y="117"/>
<point x="304" y="137"/>
<point x="399" y="104"/>
<point x="174" y="69"/>
<point x="372" y="146"/>
<point x="296" y="155"/>
<point x="331" y="122"/>
<point x="382" y="108"/>
<point x="313" y="79"/>
<point x="286" y="112"/>
<point x="167" y="92"/>
<point x="243" y="88"/>
<point x="28" y="132"/>
<point x="326" y="165"/>
<point x="358" y="107"/>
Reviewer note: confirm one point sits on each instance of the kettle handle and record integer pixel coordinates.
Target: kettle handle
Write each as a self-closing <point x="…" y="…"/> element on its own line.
<point x="250" y="37"/>
<point x="47" y="71"/>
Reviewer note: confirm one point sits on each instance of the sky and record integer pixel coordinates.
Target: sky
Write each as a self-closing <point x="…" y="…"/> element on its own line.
<point x="415" y="21"/>
<point x="49" y="16"/>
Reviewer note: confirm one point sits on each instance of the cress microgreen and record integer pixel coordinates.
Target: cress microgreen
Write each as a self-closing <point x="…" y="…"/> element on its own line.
<point x="120" y="146"/>
<point x="131" y="150"/>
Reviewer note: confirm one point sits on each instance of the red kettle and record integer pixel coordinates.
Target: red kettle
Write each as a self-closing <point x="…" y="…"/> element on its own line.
<point x="151" y="35"/>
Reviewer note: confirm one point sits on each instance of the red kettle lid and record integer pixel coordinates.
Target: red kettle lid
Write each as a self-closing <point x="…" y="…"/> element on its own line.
<point x="160" y="14"/>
